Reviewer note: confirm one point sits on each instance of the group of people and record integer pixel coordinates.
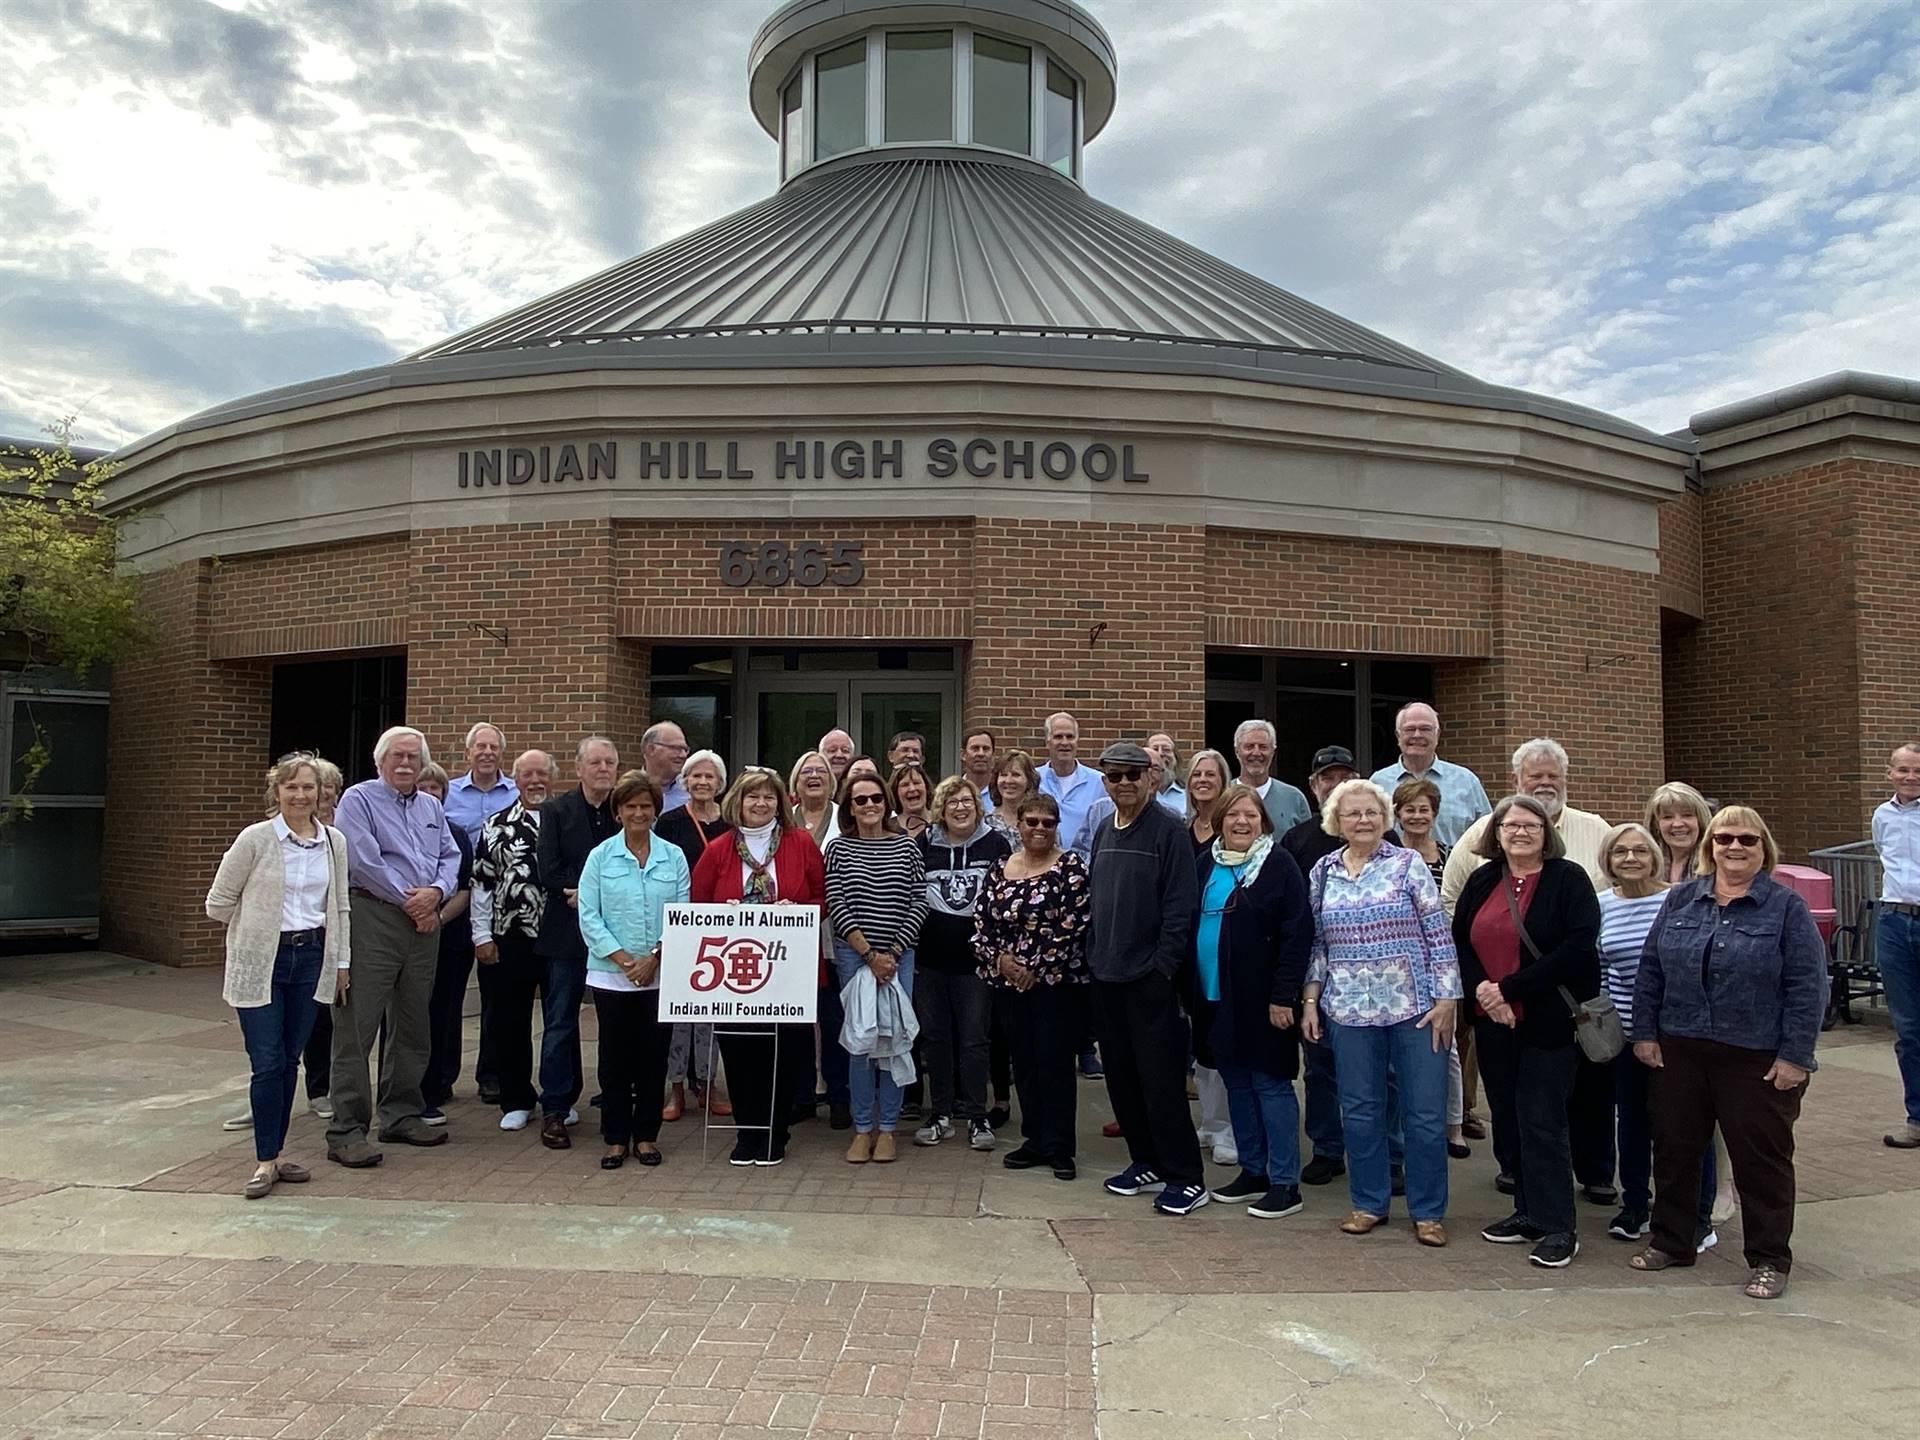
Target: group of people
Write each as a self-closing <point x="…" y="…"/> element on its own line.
<point x="1399" y="937"/>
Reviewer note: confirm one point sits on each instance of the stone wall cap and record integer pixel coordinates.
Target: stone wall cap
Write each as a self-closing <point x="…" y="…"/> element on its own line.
<point x="1865" y="384"/>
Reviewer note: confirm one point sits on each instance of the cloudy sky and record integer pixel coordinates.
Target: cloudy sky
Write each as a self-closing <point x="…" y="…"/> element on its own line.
<point x="1647" y="207"/>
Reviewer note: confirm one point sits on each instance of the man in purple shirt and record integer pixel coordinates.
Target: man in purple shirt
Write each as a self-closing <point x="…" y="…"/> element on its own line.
<point x="402" y="861"/>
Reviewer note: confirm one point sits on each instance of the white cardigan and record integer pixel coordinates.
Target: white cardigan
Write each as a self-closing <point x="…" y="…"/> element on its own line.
<point x="246" y="897"/>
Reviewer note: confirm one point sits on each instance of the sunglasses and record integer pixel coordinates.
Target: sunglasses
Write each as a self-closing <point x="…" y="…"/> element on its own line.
<point x="1040" y="822"/>
<point x="1132" y="772"/>
<point x="1746" y="841"/>
<point x="867" y="800"/>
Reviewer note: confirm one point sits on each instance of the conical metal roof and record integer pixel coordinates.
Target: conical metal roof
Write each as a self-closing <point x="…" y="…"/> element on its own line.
<point x="932" y="242"/>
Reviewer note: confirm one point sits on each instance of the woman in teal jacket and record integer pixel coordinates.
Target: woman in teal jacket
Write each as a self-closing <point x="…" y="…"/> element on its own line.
<point x="628" y="882"/>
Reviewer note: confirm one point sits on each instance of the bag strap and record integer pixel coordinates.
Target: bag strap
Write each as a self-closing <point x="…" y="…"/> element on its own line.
<point x="1513" y="909"/>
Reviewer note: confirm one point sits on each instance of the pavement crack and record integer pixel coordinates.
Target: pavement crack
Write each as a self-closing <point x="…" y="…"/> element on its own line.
<point x="1599" y="1355"/>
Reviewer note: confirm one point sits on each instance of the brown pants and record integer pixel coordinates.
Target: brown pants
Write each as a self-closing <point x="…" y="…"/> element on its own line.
<point x="1701" y="1083"/>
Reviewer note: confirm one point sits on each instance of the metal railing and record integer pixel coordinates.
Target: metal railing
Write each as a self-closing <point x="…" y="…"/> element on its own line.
<point x="1851" y="960"/>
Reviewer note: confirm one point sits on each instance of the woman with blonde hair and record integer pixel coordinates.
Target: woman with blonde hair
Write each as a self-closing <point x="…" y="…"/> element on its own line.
<point x="1678" y="814"/>
<point x="1014" y="778"/>
<point x="1726" y="1011"/>
<point x="281" y="891"/>
<point x="1209" y="772"/>
<point x="810" y="784"/>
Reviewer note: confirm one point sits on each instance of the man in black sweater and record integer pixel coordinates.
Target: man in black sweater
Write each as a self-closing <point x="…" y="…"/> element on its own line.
<point x="1145" y="893"/>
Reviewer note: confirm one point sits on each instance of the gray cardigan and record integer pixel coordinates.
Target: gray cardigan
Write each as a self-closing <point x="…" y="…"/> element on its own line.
<point x="246" y="896"/>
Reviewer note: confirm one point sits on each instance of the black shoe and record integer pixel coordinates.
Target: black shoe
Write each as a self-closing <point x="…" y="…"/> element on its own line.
<point x="1555" y="1252"/>
<point x="1504" y="1184"/>
<point x="1459" y="1151"/>
<point x="768" y="1159"/>
<point x="594" y="1103"/>
<point x="1512" y="1231"/>
<point x="1630" y="1225"/>
<point x="1065" y="1170"/>
<point x="1399" y="1179"/>
<point x="1243" y="1189"/>
<point x="1322" y="1169"/>
<point x="745" y="1152"/>
<point x="1281" y="1200"/>
<point x="840" y="1116"/>
<point x="1023" y="1159"/>
<point x="613" y="1162"/>
<point x="910" y="1110"/>
<point x="1600" y="1194"/>
<point x="489" y="1094"/>
<point x="998" y="1116"/>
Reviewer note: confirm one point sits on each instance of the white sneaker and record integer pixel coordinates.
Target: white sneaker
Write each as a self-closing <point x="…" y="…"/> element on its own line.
<point x="1225" y="1152"/>
<point x="242" y="1121"/>
<point x="1706" y="1242"/>
<point x="515" y="1119"/>
<point x="934" y="1131"/>
<point x="573" y="1117"/>
<point x="322" y="1106"/>
<point x="980" y="1135"/>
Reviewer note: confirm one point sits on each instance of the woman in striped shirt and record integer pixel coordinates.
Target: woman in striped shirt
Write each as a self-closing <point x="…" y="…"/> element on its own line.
<point x="876" y="901"/>
<point x="1634" y="859"/>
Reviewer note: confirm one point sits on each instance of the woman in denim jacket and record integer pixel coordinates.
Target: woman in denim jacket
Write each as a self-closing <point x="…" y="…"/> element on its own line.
<point x="1726" y="1008"/>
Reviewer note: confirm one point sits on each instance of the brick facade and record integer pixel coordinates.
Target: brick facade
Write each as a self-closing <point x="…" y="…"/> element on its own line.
<point x="1799" y="681"/>
<point x="1110" y="620"/>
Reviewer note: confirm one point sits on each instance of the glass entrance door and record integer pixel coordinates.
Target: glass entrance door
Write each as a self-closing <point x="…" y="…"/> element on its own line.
<point x="789" y="721"/>
<point x="885" y="708"/>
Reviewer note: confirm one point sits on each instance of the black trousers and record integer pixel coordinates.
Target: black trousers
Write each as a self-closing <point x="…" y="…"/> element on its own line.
<point x="318" y="1056"/>
<point x="1043" y="1029"/>
<point x="486" y="1069"/>
<point x="1590" y="1122"/>
<point x="517" y="974"/>
<point x="999" y="1056"/>
<point x="765" y="1068"/>
<point x="1528" y="1087"/>
<point x="1702" y="1083"/>
<point x="633" y="1064"/>
<point x="1143" y="1045"/>
<point x="446" y="1012"/>
<point x="954" y="1007"/>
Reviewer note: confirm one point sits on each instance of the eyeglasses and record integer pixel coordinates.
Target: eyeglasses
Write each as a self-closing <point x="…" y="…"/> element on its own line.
<point x="1745" y="841"/>
<point x="865" y="800"/>
<point x="1040" y="822"/>
<point x="1520" y="827"/>
<point x="1132" y="772"/>
<point x="1360" y="815"/>
<point x="820" y="771"/>
<point x="1630" y="852"/>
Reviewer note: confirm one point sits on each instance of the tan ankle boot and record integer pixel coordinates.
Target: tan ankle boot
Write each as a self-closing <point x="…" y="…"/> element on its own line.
<point x="861" y="1150"/>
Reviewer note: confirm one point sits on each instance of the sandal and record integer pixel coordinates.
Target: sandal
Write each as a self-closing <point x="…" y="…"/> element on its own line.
<point x="1651" y="1259"/>
<point x="1767" y="1283"/>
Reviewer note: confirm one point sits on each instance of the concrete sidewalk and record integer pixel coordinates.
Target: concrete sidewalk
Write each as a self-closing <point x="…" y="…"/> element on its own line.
<point x="491" y="1287"/>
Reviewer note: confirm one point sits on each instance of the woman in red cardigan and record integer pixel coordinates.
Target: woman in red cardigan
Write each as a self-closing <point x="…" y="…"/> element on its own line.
<point x="764" y="860"/>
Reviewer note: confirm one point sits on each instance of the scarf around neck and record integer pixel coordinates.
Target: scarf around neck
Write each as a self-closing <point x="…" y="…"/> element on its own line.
<point x="758" y="888"/>
<point x="1244" y="863"/>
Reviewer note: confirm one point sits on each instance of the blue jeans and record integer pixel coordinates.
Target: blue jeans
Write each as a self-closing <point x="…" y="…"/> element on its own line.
<point x="870" y="1089"/>
<point x="1366" y="1055"/>
<point x="566" y="988"/>
<point x="276" y="1033"/>
<point x="1323" y="1106"/>
<point x="1266" y="1123"/>
<point x="834" y="1068"/>
<point x="1897" y="947"/>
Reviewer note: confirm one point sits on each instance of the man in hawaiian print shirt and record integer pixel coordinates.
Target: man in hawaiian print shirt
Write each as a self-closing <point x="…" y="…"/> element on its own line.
<point x="508" y="902"/>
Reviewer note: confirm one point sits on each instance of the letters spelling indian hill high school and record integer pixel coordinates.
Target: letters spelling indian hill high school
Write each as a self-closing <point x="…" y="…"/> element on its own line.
<point x="941" y="458"/>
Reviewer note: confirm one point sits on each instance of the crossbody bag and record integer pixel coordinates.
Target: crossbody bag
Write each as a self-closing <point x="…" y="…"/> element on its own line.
<point x="1596" y="1024"/>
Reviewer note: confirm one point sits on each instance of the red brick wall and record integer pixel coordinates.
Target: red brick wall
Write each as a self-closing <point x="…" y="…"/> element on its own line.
<point x="186" y="739"/>
<point x="1680" y="553"/>
<point x="1800" y="680"/>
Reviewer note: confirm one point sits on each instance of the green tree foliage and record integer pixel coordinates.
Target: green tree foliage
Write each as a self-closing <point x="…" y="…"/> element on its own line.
<point x="64" y="603"/>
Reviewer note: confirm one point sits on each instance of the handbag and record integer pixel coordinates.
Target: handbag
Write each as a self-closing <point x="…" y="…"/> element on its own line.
<point x="1596" y="1024"/>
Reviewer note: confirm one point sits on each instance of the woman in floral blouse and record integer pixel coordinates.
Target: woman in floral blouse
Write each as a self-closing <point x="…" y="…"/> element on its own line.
<point x="1030" y="932"/>
<point x="1384" y="975"/>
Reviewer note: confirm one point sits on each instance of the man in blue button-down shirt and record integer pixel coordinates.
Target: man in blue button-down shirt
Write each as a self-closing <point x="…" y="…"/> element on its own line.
<point x="484" y="791"/>
<point x="1896" y="834"/>
<point x="402" y="862"/>
<point x="1073" y="786"/>
<point x="1463" y="799"/>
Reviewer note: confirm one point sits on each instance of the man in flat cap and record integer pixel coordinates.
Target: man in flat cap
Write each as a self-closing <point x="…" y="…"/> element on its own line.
<point x="1145" y="891"/>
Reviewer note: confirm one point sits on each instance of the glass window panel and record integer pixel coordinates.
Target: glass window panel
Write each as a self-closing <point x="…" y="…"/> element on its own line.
<point x="840" y="100"/>
<point x="884" y="714"/>
<point x="1229" y="665"/>
<point x="1224" y="716"/>
<point x="690" y="660"/>
<point x="1315" y="672"/>
<point x="792" y="722"/>
<point x="702" y="711"/>
<point x="76" y="741"/>
<point x="790" y="157"/>
<point x="1002" y="94"/>
<point x="1305" y="723"/>
<point x="837" y="660"/>
<point x="1403" y="679"/>
<point x="52" y="869"/>
<point x="920" y="86"/>
<point x="1059" y="120"/>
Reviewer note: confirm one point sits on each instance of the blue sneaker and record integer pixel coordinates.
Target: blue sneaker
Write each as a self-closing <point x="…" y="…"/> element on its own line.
<point x="1181" y="1199"/>
<point x="434" y="1115"/>
<point x="1090" y="1065"/>
<point x="1132" y="1180"/>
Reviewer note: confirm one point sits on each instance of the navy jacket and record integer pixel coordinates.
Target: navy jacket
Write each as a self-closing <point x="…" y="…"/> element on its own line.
<point x="1265" y="943"/>
<point x="1752" y="973"/>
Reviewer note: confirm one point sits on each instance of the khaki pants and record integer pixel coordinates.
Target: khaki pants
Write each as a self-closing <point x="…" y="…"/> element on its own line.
<point x="393" y="970"/>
